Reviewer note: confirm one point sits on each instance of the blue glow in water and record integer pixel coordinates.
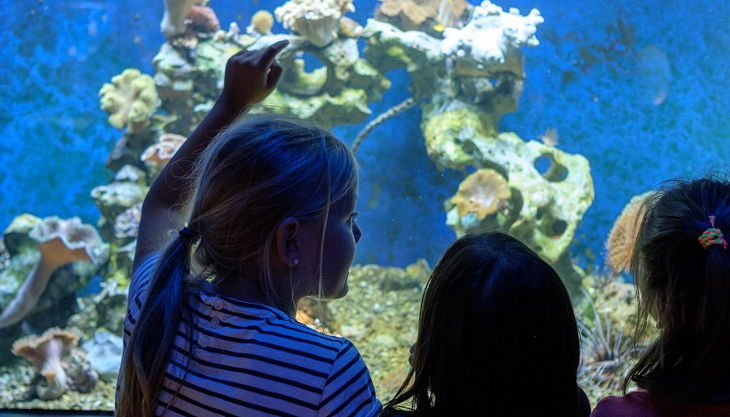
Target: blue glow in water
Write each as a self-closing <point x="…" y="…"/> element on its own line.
<point x="640" y="90"/>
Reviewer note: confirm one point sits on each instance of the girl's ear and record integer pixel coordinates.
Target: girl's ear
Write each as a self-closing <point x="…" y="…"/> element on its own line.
<point x="288" y="236"/>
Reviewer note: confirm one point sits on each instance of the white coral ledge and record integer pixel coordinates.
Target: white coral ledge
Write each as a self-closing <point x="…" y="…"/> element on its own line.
<point x="492" y="37"/>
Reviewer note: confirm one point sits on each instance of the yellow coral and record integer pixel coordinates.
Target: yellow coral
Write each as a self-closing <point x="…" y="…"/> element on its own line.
<point x="130" y="99"/>
<point x="483" y="193"/>
<point x="262" y="22"/>
<point x="621" y="239"/>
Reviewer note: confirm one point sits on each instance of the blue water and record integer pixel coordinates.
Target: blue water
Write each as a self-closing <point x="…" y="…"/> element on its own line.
<point x="641" y="90"/>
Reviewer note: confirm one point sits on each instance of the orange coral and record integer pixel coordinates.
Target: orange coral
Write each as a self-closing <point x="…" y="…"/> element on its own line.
<point x="622" y="238"/>
<point x="413" y="13"/>
<point x="161" y="152"/>
<point x="484" y="192"/>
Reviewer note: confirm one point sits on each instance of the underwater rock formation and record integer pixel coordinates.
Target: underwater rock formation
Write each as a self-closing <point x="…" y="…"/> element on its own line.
<point x="317" y="21"/>
<point x="104" y="352"/>
<point x="336" y="93"/>
<point x="622" y="238"/>
<point x="130" y="99"/>
<point x="549" y="205"/>
<point x="463" y="84"/>
<point x="107" y="309"/>
<point x="59" y="242"/>
<point x="128" y="188"/>
<point x="50" y="354"/>
<point x="126" y="224"/>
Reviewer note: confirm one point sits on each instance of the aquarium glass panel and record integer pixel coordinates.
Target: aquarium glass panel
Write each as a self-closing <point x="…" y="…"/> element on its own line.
<point x="547" y="120"/>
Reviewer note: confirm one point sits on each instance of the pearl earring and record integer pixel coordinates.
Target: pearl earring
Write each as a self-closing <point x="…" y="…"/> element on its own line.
<point x="296" y="261"/>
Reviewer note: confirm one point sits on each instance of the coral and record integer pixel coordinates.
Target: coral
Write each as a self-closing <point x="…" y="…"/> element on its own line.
<point x="350" y="28"/>
<point x="159" y="154"/>
<point x="261" y="23"/>
<point x="127" y="189"/>
<point x="202" y="19"/>
<point x="173" y="21"/>
<point x="412" y="14"/>
<point x="316" y="20"/>
<point x="60" y="242"/>
<point x="104" y="352"/>
<point x="107" y="309"/>
<point x="130" y="99"/>
<point x="605" y="319"/>
<point x="549" y="205"/>
<point x="47" y="353"/>
<point x="621" y="239"/>
<point x="127" y="223"/>
<point x="463" y="84"/>
<point x="490" y="42"/>
<point x="482" y="193"/>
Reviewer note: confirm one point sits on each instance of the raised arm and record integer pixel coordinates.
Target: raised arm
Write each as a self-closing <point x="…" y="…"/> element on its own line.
<point x="250" y="76"/>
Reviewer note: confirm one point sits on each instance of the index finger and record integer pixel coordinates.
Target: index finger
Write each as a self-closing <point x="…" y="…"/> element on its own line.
<point x="269" y="54"/>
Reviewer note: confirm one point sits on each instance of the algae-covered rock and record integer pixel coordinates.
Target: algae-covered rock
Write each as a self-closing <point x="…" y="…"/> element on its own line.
<point x="127" y="190"/>
<point x="336" y="93"/>
<point x="549" y="200"/>
<point x="130" y="99"/>
<point x="104" y="352"/>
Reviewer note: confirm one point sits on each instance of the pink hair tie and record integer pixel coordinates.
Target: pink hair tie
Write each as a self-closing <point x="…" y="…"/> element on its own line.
<point x="712" y="236"/>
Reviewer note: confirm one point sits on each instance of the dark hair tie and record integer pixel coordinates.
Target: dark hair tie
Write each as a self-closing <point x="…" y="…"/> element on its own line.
<point x="186" y="233"/>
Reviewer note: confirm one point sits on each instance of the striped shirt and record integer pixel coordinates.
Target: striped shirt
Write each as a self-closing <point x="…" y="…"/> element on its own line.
<point x="253" y="360"/>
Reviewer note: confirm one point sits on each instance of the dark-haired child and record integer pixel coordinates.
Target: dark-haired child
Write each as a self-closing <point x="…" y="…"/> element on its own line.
<point x="497" y="337"/>
<point x="681" y="267"/>
<point x="270" y="219"/>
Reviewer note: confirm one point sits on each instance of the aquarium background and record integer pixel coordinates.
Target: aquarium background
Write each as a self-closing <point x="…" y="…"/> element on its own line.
<point x="638" y="87"/>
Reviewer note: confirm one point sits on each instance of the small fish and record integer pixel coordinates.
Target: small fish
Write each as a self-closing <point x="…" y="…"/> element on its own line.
<point x="445" y="16"/>
<point x="550" y="137"/>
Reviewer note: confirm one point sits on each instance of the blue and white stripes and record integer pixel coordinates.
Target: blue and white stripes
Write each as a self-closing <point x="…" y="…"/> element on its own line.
<point x="253" y="360"/>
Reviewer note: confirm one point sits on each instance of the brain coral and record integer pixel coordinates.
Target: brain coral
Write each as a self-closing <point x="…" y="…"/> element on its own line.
<point x="130" y="99"/>
<point x="621" y="239"/>
<point x="482" y="193"/>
